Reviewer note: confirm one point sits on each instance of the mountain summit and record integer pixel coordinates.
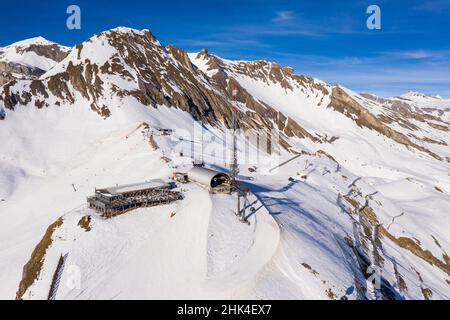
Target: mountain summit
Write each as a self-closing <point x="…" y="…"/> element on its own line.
<point x="29" y="59"/>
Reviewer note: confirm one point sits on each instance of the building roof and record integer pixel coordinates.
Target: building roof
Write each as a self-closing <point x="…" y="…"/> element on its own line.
<point x="206" y="176"/>
<point x="151" y="184"/>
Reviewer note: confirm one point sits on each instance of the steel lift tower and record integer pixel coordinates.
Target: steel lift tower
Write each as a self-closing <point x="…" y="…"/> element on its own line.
<point x="235" y="165"/>
<point x="204" y="114"/>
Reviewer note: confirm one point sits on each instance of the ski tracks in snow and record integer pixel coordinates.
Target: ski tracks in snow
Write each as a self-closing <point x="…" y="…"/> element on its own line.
<point x="238" y="252"/>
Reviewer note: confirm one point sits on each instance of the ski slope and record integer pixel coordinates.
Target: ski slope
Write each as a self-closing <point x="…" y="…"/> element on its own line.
<point x="294" y="247"/>
<point x="141" y="255"/>
<point x="167" y="252"/>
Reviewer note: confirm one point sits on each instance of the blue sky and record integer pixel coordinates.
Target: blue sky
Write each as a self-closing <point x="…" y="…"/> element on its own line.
<point x="324" y="39"/>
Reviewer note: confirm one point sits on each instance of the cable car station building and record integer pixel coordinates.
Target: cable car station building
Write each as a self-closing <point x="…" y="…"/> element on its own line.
<point x="113" y="201"/>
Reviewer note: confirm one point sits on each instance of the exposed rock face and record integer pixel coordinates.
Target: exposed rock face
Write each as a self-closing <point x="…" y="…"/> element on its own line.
<point x="424" y="119"/>
<point x="404" y="112"/>
<point x="123" y="63"/>
<point x="51" y="51"/>
<point x="159" y="75"/>
<point x="393" y="112"/>
<point x="261" y="70"/>
<point x="222" y="76"/>
<point x="10" y="70"/>
<point x="345" y="104"/>
<point x="14" y="66"/>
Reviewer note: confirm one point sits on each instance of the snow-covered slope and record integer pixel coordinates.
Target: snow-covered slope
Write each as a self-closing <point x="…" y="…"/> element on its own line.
<point x="363" y="182"/>
<point x="425" y="101"/>
<point x="424" y="119"/>
<point x="22" y="53"/>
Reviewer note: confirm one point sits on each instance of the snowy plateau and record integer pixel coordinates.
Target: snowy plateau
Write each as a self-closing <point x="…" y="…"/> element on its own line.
<point x="351" y="202"/>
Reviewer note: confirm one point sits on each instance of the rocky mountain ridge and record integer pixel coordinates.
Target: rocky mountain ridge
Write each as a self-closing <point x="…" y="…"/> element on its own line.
<point x="29" y="59"/>
<point x="124" y="62"/>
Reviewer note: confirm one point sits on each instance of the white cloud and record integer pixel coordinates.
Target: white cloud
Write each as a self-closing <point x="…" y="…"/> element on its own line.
<point x="419" y="54"/>
<point x="283" y="16"/>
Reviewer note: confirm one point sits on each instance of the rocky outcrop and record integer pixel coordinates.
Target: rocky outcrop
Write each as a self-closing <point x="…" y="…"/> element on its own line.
<point x="161" y="76"/>
<point x="138" y="66"/>
<point x="402" y="111"/>
<point x="262" y="70"/>
<point x="11" y="69"/>
<point x="342" y="102"/>
<point x="50" y="51"/>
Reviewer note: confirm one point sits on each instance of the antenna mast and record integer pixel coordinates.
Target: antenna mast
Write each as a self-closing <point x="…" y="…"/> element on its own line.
<point x="203" y="143"/>
<point x="234" y="165"/>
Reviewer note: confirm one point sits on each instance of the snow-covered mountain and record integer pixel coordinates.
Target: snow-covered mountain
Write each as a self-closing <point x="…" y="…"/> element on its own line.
<point x="364" y="180"/>
<point x="29" y="59"/>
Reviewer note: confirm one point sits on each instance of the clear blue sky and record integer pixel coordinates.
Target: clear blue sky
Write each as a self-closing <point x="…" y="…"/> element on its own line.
<point x="324" y="39"/>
